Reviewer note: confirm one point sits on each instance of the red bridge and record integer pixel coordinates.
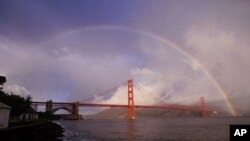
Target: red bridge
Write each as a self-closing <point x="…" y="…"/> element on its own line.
<point x="73" y="107"/>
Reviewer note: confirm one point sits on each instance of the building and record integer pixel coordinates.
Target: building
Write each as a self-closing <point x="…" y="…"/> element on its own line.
<point x="29" y="115"/>
<point x="4" y="115"/>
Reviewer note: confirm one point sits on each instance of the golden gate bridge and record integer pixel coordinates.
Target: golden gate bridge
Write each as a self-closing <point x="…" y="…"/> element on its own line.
<point x="73" y="107"/>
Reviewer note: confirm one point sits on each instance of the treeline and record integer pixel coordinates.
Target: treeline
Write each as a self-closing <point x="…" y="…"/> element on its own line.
<point x="18" y="104"/>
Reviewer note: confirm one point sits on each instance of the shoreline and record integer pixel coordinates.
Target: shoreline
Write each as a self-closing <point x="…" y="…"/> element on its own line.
<point x="40" y="131"/>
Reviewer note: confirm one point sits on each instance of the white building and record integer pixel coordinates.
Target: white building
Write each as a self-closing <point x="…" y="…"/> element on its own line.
<point x="4" y="115"/>
<point x="29" y="115"/>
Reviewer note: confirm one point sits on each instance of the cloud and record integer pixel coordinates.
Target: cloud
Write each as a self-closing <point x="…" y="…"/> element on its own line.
<point x="225" y="56"/>
<point x="66" y="72"/>
<point x="73" y="68"/>
<point x="144" y="91"/>
<point x="168" y="78"/>
<point x="171" y="78"/>
<point x="16" y="89"/>
<point x="39" y="56"/>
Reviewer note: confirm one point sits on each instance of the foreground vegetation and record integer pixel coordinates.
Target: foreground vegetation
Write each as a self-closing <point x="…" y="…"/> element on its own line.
<point x="38" y="130"/>
<point x="17" y="103"/>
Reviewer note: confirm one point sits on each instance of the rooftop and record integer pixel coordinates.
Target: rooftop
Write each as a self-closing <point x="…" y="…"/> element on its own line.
<point x="4" y="106"/>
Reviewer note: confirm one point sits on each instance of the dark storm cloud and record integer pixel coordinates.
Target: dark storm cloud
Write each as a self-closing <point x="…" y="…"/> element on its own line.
<point x="33" y="20"/>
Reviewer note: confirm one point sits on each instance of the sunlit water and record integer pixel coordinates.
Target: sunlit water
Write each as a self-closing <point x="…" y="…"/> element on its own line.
<point x="168" y="129"/>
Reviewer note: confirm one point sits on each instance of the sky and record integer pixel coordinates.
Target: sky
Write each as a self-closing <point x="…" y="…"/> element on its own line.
<point x="178" y="51"/>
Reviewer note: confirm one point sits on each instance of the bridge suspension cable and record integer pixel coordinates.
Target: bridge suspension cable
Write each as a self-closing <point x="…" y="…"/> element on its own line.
<point x="149" y="93"/>
<point x="104" y="93"/>
<point x="130" y="105"/>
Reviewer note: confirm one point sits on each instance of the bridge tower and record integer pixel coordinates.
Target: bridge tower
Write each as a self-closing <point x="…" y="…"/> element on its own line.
<point x="203" y="107"/>
<point x="49" y="106"/>
<point x="75" y="108"/>
<point x="131" y="106"/>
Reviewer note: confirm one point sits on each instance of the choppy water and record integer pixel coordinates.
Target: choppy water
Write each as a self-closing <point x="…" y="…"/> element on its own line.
<point x="169" y="129"/>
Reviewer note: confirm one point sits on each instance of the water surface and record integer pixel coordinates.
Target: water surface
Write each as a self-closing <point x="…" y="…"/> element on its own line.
<point x="168" y="129"/>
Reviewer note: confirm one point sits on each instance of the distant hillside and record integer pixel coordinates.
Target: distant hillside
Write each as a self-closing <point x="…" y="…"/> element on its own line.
<point x="121" y="113"/>
<point x="241" y="103"/>
<point x="158" y="113"/>
<point x="112" y="113"/>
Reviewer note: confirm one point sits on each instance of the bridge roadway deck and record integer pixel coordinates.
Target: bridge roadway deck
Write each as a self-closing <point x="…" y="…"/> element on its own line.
<point x="172" y="107"/>
<point x="168" y="107"/>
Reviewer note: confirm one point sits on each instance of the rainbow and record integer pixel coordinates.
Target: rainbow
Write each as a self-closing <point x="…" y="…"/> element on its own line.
<point x="172" y="44"/>
<point x="165" y="41"/>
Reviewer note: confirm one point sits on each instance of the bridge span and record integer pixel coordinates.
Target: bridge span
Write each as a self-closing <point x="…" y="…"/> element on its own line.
<point x="73" y="107"/>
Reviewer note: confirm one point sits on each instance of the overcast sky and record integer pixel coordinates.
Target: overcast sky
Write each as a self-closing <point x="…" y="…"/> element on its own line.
<point x="69" y="50"/>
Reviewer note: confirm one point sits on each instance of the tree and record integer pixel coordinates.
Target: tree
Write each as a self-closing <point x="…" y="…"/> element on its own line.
<point x="2" y="81"/>
<point x="18" y="103"/>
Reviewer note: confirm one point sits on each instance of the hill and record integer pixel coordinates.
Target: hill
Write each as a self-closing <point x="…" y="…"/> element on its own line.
<point x="121" y="113"/>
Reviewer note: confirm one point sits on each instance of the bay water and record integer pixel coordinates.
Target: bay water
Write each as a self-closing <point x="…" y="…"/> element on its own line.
<point x="151" y="129"/>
